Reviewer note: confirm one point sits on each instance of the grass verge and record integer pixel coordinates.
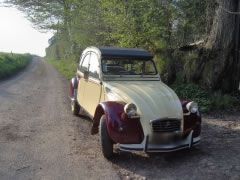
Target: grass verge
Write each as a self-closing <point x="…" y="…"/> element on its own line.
<point x="65" y="67"/>
<point x="11" y="63"/>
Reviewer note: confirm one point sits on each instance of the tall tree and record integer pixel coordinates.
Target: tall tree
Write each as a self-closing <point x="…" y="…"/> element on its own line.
<point x="218" y="65"/>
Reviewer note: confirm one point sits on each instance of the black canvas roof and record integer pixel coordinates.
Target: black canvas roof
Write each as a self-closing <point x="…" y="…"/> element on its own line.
<point x="113" y="52"/>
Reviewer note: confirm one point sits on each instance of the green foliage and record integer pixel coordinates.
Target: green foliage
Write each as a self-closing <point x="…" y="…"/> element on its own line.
<point x="160" y="63"/>
<point x="12" y="63"/>
<point x="207" y="101"/>
<point x="154" y="25"/>
<point x="160" y="26"/>
<point x="65" y="67"/>
<point x="194" y="93"/>
<point x="224" y="101"/>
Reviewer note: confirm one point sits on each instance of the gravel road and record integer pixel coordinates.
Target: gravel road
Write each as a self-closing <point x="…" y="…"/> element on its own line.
<point x="41" y="139"/>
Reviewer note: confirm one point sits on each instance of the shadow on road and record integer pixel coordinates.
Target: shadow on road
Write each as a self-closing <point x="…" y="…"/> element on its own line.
<point x="217" y="156"/>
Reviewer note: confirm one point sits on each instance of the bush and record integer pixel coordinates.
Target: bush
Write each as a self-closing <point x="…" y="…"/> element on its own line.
<point x="224" y="101"/>
<point x="194" y="93"/>
<point x="12" y="63"/>
<point x="206" y="100"/>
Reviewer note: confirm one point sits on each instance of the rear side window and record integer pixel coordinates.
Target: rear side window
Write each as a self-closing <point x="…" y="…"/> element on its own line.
<point x="94" y="66"/>
<point x="85" y="63"/>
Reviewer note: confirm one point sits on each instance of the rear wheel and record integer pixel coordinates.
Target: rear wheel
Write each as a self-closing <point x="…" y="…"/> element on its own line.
<point x="106" y="142"/>
<point x="75" y="107"/>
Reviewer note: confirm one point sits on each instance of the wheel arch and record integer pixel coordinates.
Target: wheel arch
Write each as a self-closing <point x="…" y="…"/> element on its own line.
<point x="100" y="110"/>
<point x="121" y="129"/>
<point x="74" y="82"/>
<point x="73" y="87"/>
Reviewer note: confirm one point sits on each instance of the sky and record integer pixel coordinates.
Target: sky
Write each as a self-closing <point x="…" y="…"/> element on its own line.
<point x="17" y="34"/>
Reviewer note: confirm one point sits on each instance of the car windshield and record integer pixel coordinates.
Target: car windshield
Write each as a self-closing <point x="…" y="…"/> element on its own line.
<point x="128" y="67"/>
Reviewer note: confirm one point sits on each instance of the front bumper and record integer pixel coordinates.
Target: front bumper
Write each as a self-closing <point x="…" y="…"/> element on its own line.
<point x="145" y="146"/>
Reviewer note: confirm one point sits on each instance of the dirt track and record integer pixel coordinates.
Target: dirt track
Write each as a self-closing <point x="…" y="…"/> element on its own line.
<point x="40" y="139"/>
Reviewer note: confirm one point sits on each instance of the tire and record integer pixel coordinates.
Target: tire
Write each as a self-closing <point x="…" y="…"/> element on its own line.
<point x="106" y="142"/>
<point x="75" y="107"/>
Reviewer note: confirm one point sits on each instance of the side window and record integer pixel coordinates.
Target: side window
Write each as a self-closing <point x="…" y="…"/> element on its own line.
<point x="94" y="66"/>
<point x="149" y="68"/>
<point x="80" y="62"/>
<point x="85" y="63"/>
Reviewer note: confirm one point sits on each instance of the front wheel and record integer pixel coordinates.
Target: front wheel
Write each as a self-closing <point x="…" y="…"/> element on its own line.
<point x="106" y="142"/>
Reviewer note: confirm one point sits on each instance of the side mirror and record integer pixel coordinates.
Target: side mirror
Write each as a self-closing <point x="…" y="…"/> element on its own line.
<point x="86" y="74"/>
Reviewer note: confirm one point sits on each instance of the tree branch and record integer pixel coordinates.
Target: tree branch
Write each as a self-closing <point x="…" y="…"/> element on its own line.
<point x="230" y="12"/>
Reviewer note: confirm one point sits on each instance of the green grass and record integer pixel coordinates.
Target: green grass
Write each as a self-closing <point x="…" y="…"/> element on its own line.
<point x="67" y="68"/>
<point x="11" y="63"/>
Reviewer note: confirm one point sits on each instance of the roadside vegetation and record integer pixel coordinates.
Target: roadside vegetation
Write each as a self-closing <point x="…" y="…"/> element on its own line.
<point x="208" y="101"/>
<point x="11" y="63"/>
<point x="66" y="68"/>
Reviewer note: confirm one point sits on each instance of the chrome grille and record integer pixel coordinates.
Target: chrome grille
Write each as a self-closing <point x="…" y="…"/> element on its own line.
<point x="166" y="125"/>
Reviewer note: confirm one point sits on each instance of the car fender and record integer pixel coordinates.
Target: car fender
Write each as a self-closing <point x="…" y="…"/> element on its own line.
<point x="121" y="129"/>
<point x="192" y="121"/>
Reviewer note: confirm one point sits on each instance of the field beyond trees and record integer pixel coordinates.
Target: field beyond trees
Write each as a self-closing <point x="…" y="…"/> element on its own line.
<point x="12" y="63"/>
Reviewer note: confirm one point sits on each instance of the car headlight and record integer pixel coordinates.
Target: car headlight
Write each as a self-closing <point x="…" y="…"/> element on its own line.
<point x="192" y="107"/>
<point x="131" y="110"/>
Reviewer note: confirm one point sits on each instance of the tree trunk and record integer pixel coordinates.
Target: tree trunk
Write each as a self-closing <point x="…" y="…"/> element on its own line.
<point x="218" y="65"/>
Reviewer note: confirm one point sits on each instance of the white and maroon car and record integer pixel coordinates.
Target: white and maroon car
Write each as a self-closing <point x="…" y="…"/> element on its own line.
<point x="122" y="92"/>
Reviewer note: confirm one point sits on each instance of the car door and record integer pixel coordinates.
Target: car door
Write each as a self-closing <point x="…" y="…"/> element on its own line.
<point x="83" y="67"/>
<point x="93" y="86"/>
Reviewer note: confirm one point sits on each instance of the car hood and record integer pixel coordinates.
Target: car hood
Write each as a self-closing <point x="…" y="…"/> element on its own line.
<point x="153" y="99"/>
